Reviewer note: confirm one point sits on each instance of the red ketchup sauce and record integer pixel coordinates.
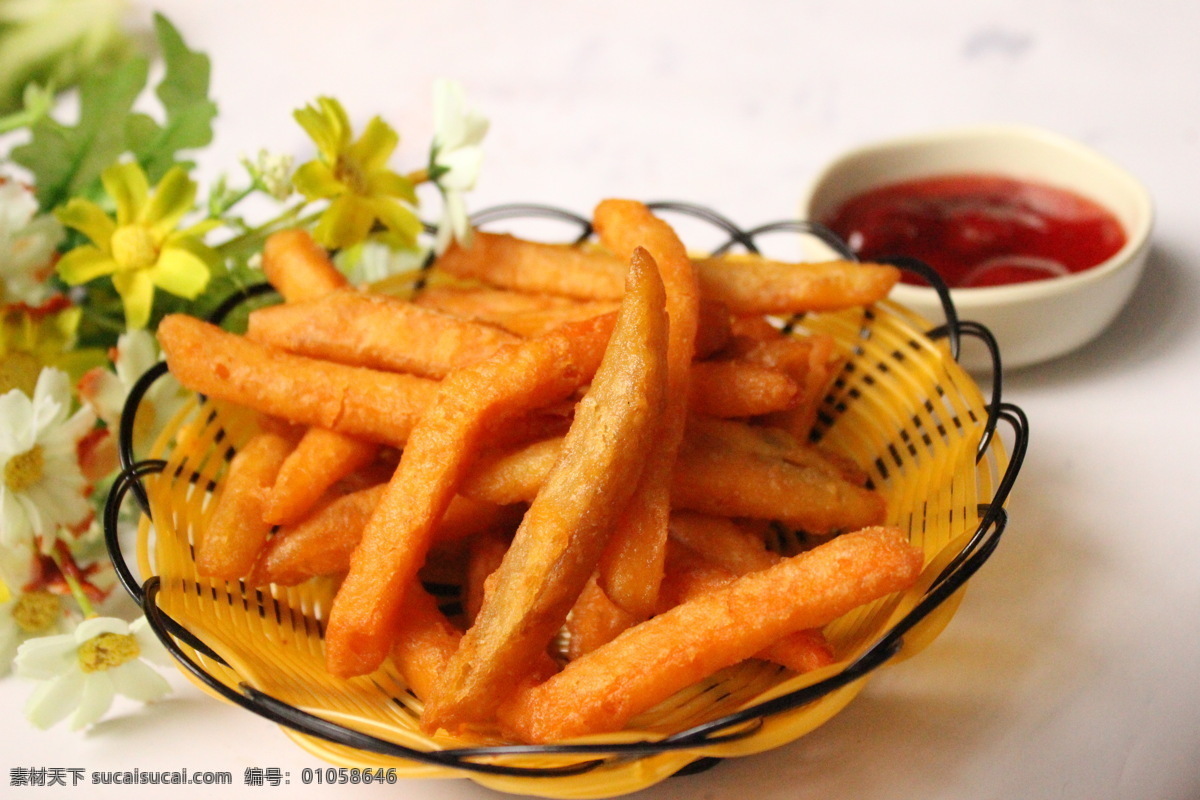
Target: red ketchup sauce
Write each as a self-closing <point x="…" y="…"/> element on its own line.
<point x="980" y="230"/>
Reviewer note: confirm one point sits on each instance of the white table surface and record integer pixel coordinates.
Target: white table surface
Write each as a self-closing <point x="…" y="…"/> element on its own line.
<point x="1071" y="670"/>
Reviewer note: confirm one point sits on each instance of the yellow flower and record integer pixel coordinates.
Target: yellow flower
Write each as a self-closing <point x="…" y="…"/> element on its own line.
<point x="141" y="249"/>
<point x="355" y="177"/>
<point x="34" y="338"/>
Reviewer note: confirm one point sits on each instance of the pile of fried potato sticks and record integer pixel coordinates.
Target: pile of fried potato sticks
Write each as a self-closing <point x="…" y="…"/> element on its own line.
<point x="589" y="441"/>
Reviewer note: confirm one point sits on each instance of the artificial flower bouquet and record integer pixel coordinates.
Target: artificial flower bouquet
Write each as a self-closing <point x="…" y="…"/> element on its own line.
<point x="103" y="231"/>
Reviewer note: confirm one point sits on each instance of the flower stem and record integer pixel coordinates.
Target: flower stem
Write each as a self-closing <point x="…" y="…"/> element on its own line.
<point x="70" y="573"/>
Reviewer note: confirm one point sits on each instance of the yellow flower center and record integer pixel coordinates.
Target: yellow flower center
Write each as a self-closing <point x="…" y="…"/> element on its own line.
<point x="25" y="469"/>
<point x="36" y="611"/>
<point x="19" y="370"/>
<point x="133" y="247"/>
<point x="106" y="651"/>
<point x="350" y="174"/>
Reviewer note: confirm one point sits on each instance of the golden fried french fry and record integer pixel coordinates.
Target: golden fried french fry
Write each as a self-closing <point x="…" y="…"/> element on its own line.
<point x="689" y="575"/>
<point x="555" y="549"/>
<point x="721" y="541"/>
<point x="377" y="331"/>
<point x="760" y="286"/>
<point x="471" y="400"/>
<point x="631" y="567"/>
<point x="424" y="640"/>
<point x="604" y="689"/>
<point x="557" y="269"/>
<point x="321" y="544"/>
<point x="321" y="459"/>
<point x="725" y="468"/>
<point x="485" y="554"/>
<point x="595" y="620"/>
<point x="739" y="389"/>
<point x="236" y="531"/>
<point x="298" y="267"/>
<point x="802" y="489"/>
<point x="744" y="285"/>
<point x="825" y="362"/>
<point x="370" y="404"/>
<point x="490" y="304"/>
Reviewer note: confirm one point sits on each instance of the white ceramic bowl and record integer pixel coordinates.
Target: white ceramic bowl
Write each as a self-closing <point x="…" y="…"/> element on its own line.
<point x="1033" y="321"/>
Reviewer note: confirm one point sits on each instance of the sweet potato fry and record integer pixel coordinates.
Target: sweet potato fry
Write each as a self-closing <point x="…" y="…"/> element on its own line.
<point x="236" y="531"/>
<point x="721" y="541"/>
<point x="298" y="267"/>
<point x="725" y="468"/>
<point x="371" y="330"/>
<point x="424" y="641"/>
<point x="760" y="286"/>
<point x="564" y="531"/>
<point x="603" y="690"/>
<point x="558" y="269"/>
<point x="595" y="620"/>
<point x="718" y="479"/>
<point x="744" y="285"/>
<point x="739" y="389"/>
<point x="631" y="567"/>
<point x="322" y="543"/>
<point x="471" y="400"/>
<point x="321" y="459"/>
<point x="373" y="405"/>
<point x="485" y="554"/>
<point x="689" y="575"/>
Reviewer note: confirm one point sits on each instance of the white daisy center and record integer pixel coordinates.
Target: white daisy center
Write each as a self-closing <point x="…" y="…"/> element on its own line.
<point x="25" y="469"/>
<point x="36" y="612"/>
<point x="107" y="651"/>
<point x="133" y="247"/>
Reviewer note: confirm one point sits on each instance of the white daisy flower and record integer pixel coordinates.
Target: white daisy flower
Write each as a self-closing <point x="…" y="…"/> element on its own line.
<point x="24" y="614"/>
<point x="84" y="670"/>
<point x="455" y="159"/>
<point x="27" y="245"/>
<point x="42" y="486"/>
<point x="105" y="391"/>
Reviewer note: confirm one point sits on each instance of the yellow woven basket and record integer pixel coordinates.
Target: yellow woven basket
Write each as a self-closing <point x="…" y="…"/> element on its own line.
<point x="902" y="408"/>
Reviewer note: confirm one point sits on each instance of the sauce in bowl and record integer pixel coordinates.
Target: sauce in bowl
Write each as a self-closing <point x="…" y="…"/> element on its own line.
<point x="980" y="230"/>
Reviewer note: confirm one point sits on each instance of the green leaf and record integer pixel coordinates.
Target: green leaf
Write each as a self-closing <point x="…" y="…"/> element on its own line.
<point x="66" y="161"/>
<point x="183" y="92"/>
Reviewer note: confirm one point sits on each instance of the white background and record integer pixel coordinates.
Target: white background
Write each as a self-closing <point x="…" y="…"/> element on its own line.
<point x="1071" y="670"/>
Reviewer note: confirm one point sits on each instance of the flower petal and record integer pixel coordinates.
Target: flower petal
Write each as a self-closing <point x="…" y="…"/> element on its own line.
<point x="95" y="700"/>
<point x="183" y="267"/>
<point x="148" y="643"/>
<point x="46" y="657"/>
<point x="126" y="184"/>
<point x="315" y="180"/>
<point x="398" y="219"/>
<point x="173" y="197"/>
<point x="346" y="222"/>
<point x="54" y="700"/>
<point x="84" y="264"/>
<point x="89" y="219"/>
<point x="327" y="125"/>
<point x="138" y="681"/>
<point x="137" y="295"/>
<point x="91" y="628"/>
<point x="385" y="183"/>
<point x="374" y="147"/>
